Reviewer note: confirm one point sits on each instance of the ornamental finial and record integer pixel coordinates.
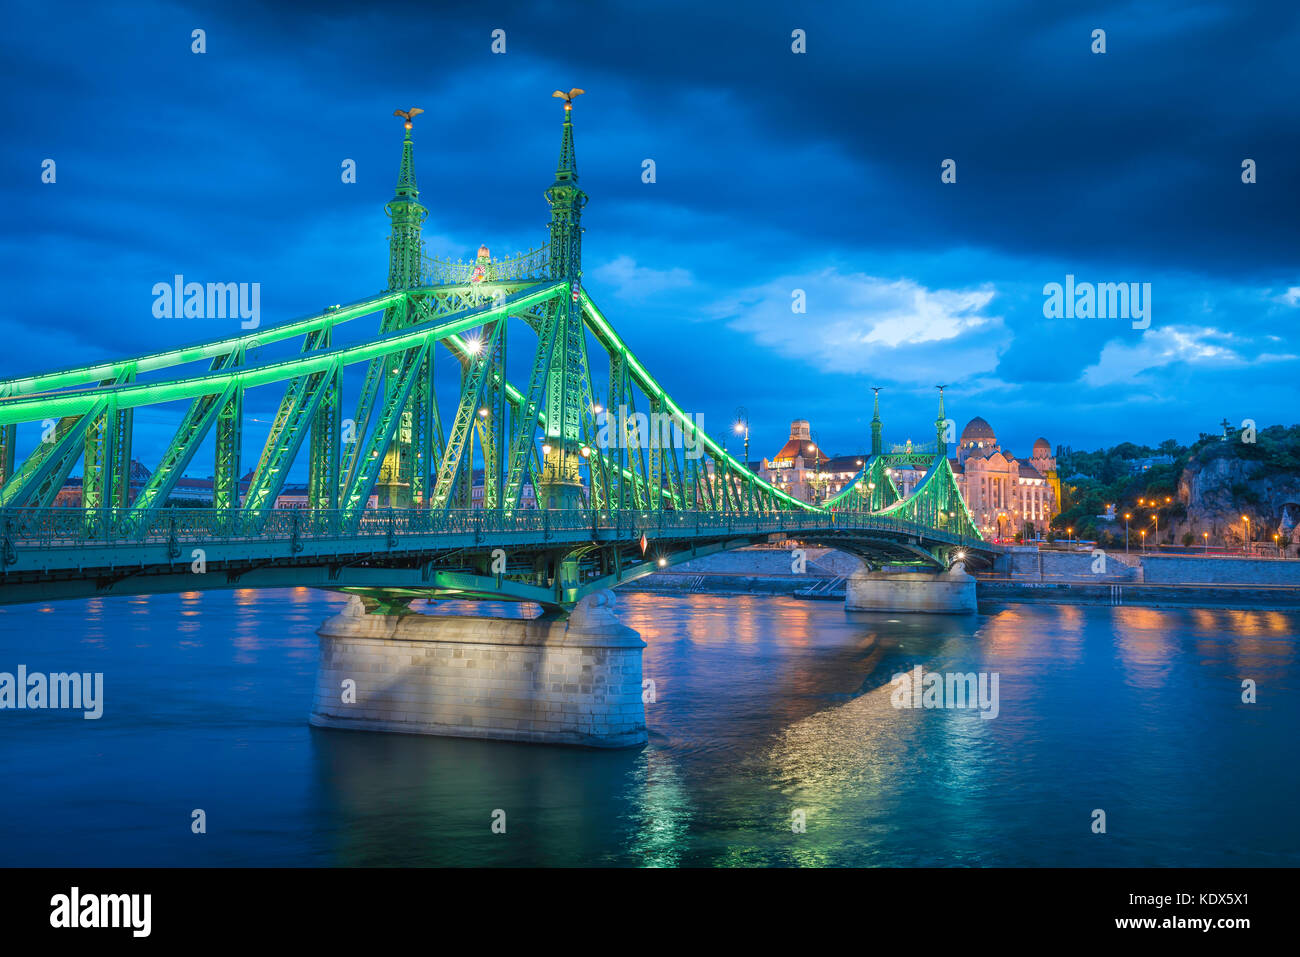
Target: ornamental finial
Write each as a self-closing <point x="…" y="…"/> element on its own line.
<point x="568" y="97"/>
<point x="408" y="115"/>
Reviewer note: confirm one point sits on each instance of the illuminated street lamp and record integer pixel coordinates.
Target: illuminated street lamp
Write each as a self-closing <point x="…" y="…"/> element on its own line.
<point x="742" y="428"/>
<point x="1144" y="539"/>
<point x="1206" y="536"/>
<point x="1246" y="519"/>
<point x="817" y="465"/>
<point x="1127" y="516"/>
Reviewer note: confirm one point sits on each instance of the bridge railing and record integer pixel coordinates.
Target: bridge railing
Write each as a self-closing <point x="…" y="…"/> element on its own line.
<point x="71" y="527"/>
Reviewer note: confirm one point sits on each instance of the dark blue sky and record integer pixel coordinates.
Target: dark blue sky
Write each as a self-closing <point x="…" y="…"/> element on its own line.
<point x="775" y="171"/>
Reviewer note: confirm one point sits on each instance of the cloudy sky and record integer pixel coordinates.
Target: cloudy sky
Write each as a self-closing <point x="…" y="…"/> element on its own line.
<point x="776" y="171"/>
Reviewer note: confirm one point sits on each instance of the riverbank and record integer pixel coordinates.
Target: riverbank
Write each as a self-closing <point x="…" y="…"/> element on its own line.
<point x="1025" y="576"/>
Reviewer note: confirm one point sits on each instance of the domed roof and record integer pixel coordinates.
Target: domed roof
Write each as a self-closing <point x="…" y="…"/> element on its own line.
<point x="977" y="429"/>
<point x="1042" y="446"/>
<point x="483" y="252"/>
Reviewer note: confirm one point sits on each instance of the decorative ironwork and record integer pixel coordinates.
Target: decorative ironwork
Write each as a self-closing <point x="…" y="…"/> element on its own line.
<point x="601" y="486"/>
<point x="532" y="265"/>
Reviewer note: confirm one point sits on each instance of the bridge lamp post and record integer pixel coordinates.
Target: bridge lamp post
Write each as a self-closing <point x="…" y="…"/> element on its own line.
<point x="1246" y="519"/>
<point x="742" y="428"/>
<point x="1069" y="536"/>
<point x="1127" y="516"/>
<point x="1155" y="526"/>
<point x="817" y="470"/>
<point x="1275" y="545"/>
<point x="1144" y="539"/>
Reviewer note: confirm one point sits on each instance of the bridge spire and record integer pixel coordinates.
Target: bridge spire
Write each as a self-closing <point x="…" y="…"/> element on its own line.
<point x="405" y="245"/>
<point x="875" y="423"/>
<point x="567" y="169"/>
<point x="566" y="201"/>
<point x="560" y="485"/>
<point x="941" y="428"/>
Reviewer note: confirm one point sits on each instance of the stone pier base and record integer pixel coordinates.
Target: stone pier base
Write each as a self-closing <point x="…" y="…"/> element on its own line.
<point x="944" y="593"/>
<point x="552" y="682"/>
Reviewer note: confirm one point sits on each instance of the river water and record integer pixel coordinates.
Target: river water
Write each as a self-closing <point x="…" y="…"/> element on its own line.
<point x="768" y="709"/>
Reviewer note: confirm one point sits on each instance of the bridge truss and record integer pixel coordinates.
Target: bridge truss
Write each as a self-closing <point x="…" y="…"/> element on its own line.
<point x="551" y="428"/>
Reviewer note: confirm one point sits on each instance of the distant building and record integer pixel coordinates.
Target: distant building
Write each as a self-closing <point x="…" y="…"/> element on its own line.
<point x="1137" y="466"/>
<point x="189" y="492"/>
<point x="1002" y="492"/>
<point x="526" y="497"/>
<point x="805" y="472"/>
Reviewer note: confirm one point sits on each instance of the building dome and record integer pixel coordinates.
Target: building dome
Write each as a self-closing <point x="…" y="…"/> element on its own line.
<point x="1042" y="449"/>
<point x="483" y="252"/>
<point x="977" y="430"/>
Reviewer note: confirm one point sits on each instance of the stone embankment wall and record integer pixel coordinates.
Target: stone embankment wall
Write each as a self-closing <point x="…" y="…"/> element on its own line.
<point x="1022" y="574"/>
<point x="1029" y="564"/>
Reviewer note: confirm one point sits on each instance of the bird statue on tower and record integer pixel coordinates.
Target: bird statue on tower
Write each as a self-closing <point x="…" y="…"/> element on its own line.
<point x="408" y="115"/>
<point x="568" y="97"/>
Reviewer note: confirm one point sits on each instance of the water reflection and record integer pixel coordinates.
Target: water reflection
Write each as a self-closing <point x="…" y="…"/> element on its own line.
<point x="765" y="707"/>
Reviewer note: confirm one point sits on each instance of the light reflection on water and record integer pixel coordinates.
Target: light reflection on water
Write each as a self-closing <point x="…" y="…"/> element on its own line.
<point x="766" y="706"/>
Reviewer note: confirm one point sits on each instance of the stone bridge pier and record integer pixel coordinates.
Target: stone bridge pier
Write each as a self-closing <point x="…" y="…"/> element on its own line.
<point x="545" y="680"/>
<point x="907" y="590"/>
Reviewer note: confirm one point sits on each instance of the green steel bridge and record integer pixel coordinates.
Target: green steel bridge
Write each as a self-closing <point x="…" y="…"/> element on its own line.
<point x="575" y="495"/>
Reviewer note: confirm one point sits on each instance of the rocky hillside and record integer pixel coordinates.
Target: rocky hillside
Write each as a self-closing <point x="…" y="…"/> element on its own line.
<point x="1208" y="486"/>
<point x="1226" y="479"/>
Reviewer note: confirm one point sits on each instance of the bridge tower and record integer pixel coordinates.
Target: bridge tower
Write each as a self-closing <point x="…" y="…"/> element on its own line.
<point x="876" y="444"/>
<point x="405" y="253"/>
<point x="560" y="485"/>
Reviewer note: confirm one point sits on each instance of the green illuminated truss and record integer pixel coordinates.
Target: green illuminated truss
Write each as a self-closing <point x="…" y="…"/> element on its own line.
<point x="551" y="434"/>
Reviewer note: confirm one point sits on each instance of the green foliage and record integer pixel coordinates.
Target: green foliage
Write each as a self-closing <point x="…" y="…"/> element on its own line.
<point x="1104" y="477"/>
<point x="1276" y="448"/>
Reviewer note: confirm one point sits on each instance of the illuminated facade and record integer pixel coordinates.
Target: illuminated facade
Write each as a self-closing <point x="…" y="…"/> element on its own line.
<point x="1004" y="493"/>
<point x="805" y="471"/>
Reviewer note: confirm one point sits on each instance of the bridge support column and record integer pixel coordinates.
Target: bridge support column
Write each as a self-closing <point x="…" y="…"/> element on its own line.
<point x="945" y="593"/>
<point x="539" y="680"/>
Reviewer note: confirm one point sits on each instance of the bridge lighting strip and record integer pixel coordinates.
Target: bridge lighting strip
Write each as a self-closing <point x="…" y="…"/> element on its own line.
<point x="137" y="394"/>
<point x="941" y="463"/>
<point x="204" y="350"/>
<point x="610" y="340"/>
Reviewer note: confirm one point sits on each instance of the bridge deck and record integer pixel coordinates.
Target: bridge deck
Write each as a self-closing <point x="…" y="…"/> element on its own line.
<point x="58" y="553"/>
